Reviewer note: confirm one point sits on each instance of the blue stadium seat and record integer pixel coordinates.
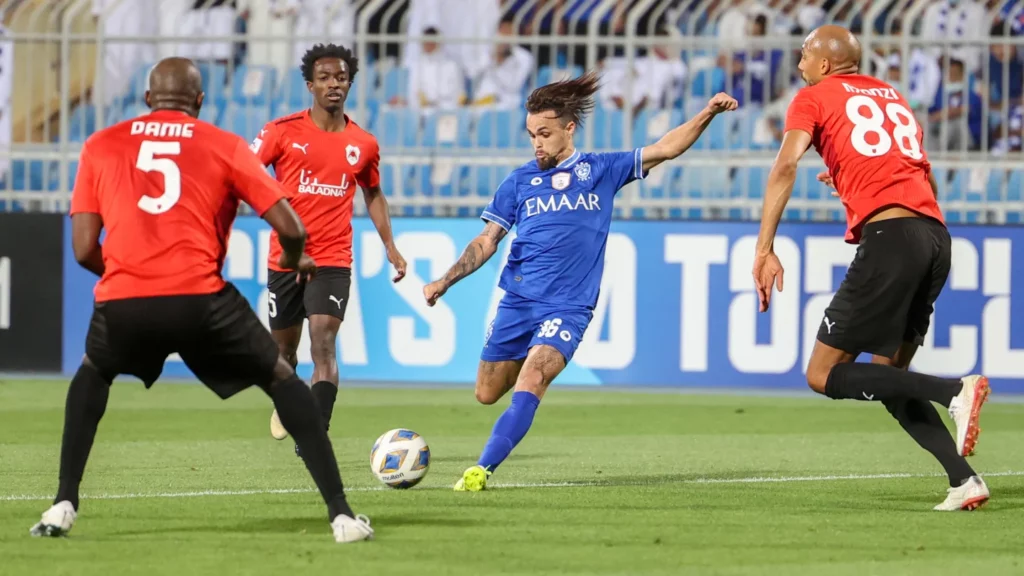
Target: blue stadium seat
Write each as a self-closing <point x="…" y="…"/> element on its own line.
<point x="548" y="74"/>
<point x="29" y="175"/>
<point x="253" y="85"/>
<point x="750" y="183"/>
<point x="1013" y="192"/>
<point x="139" y="83"/>
<point x="705" y="182"/>
<point x="398" y="127"/>
<point x="807" y="185"/>
<point x="293" y="91"/>
<point x="438" y="179"/>
<point x="608" y="128"/>
<point x="396" y="83"/>
<point x="214" y="76"/>
<point x="660" y="181"/>
<point x="484" y="180"/>
<point x="448" y="129"/>
<point x="499" y="128"/>
<point x="707" y="82"/>
<point x="82" y="122"/>
<point x="650" y="125"/>
<point x="246" y="121"/>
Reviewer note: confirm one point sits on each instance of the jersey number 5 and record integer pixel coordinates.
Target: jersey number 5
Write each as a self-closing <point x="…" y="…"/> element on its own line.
<point x="905" y="132"/>
<point x="165" y="166"/>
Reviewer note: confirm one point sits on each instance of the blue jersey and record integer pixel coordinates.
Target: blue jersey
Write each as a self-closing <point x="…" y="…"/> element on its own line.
<point x="562" y="216"/>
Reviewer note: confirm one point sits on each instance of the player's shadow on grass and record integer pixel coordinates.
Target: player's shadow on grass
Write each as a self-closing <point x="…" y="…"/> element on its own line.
<point x="301" y="525"/>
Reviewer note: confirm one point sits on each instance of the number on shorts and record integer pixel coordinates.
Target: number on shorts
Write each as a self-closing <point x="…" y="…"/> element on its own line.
<point x="549" y="328"/>
<point x="272" y="305"/>
<point x="165" y="166"/>
<point x="905" y="132"/>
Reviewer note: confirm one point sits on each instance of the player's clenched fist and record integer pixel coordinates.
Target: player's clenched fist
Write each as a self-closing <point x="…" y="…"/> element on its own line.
<point x="722" y="102"/>
<point x="433" y="291"/>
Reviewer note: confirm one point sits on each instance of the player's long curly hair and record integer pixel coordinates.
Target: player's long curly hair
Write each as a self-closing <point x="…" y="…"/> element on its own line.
<point x="570" y="100"/>
<point x="328" y="51"/>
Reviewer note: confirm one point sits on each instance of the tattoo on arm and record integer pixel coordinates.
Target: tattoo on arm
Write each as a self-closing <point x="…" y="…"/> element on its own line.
<point x="479" y="251"/>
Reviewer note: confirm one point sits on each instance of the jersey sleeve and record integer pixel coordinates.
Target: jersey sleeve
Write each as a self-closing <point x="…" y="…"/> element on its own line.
<point x="502" y="209"/>
<point x="369" y="176"/>
<point x="251" y="182"/>
<point x="267" y="144"/>
<point x="83" y="197"/>
<point x="803" y="113"/>
<point x="621" y="168"/>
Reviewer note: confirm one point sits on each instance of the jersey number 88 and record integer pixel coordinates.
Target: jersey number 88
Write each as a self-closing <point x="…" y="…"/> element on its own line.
<point x="905" y="131"/>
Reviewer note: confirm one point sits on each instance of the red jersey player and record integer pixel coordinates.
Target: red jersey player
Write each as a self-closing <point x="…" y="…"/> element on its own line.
<point x="873" y="148"/>
<point x="166" y="187"/>
<point x="320" y="156"/>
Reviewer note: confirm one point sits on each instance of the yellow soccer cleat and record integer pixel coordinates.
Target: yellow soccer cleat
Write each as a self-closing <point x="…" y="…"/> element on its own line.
<point x="474" y="479"/>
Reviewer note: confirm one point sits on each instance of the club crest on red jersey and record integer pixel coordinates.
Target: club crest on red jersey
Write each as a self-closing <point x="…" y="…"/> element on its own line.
<point x="352" y="154"/>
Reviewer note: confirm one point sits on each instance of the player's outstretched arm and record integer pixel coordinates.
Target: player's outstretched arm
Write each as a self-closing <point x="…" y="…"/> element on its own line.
<point x="680" y="138"/>
<point x="479" y="251"/>
<point x="85" y="241"/>
<point x="767" y="268"/>
<point x="377" y="208"/>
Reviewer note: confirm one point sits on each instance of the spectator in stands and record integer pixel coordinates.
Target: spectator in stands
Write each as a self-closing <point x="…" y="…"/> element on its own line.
<point x="1005" y="68"/>
<point x="662" y="72"/>
<point x="209" y="18"/>
<point x="435" y="79"/>
<point x="6" y="90"/>
<point x="317" y="21"/>
<point x="456" y="19"/>
<point x="755" y="72"/>
<point x="121" y="59"/>
<point x="502" y="85"/>
<point x="963" y="20"/>
<point x="946" y="122"/>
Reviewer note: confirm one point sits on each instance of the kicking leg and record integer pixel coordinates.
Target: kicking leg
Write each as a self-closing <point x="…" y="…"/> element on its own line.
<point x="542" y="366"/>
<point x="495" y="379"/>
<point x="85" y="406"/>
<point x="323" y="336"/>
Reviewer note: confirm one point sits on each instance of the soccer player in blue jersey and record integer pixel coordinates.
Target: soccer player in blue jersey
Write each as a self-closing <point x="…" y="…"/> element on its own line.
<point x="561" y="206"/>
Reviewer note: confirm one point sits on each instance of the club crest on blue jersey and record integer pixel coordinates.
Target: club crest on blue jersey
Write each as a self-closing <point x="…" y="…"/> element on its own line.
<point x="583" y="171"/>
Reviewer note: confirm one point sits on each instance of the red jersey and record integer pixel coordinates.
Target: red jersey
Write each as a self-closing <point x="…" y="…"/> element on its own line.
<point x="872" y="144"/>
<point x="167" y="187"/>
<point x="318" y="170"/>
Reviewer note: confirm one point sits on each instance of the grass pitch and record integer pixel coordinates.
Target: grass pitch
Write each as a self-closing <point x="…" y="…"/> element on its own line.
<point x="605" y="483"/>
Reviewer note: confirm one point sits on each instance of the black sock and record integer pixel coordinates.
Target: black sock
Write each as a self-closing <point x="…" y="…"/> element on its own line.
<point x="325" y="393"/>
<point x="299" y="415"/>
<point x="920" y="419"/>
<point x="878" y="382"/>
<point x="85" y="405"/>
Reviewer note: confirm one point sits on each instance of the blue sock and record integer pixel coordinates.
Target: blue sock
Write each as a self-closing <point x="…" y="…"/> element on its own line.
<point x="509" y="430"/>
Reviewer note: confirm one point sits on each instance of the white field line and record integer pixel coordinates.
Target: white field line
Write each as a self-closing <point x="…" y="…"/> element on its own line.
<point x="750" y="480"/>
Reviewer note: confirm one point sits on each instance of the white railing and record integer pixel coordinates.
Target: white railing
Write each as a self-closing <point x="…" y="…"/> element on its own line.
<point x="445" y="160"/>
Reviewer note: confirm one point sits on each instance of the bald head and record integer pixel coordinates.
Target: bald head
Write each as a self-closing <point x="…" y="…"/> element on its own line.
<point x="829" y="50"/>
<point x="175" y="84"/>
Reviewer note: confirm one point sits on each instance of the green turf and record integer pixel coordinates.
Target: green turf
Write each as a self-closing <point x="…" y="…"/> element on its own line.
<point x="646" y="509"/>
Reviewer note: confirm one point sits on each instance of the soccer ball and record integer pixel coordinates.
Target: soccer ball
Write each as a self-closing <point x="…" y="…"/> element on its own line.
<point x="400" y="458"/>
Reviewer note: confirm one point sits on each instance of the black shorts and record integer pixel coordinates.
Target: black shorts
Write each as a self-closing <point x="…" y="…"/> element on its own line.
<point x="218" y="336"/>
<point x="290" y="302"/>
<point x="888" y="294"/>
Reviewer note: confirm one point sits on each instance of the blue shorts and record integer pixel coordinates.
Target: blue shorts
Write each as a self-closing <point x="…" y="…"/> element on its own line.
<point x="521" y="324"/>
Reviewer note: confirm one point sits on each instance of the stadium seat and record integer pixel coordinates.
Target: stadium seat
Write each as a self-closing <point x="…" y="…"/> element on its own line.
<point x="82" y="122"/>
<point x="253" y="85"/>
<point x="215" y="77"/>
<point x="448" y="129"/>
<point x="607" y="126"/>
<point x="807" y="185"/>
<point x="484" y="180"/>
<point x="398" y="127"/>
<point x="396" y="83"/>
<point x="246" y="121"/>
<point x="438" y="179"/>
<point x="498" y="128"/>
<point x="28" y="175"/>
<point x="750" y="183"/>
<point x="659" y="181"/>
<point x="293" y="91"/>
<point x="548" y="74"/>
<point x="705" y="182"/>
<point x="651" y="125"/>
<point x="139" y="83"/>
<point x="707" y="82"/>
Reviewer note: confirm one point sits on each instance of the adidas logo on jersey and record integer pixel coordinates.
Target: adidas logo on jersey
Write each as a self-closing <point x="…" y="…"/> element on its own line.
<point x="558" y="202"/>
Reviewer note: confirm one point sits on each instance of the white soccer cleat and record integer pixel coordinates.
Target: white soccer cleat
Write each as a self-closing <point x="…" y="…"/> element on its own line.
<point x="349" y="529"/>
<point x="57" y="521"/>
<point x="965" y="410"/>
<point x="276" y="428"/>
<point x="971" y="495"/>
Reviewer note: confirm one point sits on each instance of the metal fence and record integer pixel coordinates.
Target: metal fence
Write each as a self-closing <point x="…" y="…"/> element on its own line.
<point x="450" y="118"/>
